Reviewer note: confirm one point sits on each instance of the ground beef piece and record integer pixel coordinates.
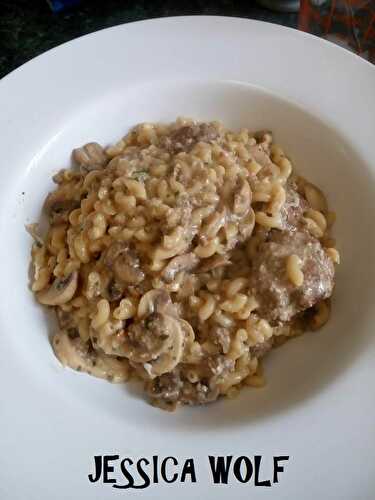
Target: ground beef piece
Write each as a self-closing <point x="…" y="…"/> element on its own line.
<point x="279" y="299"/>
<point x="147" y="339"/>
<point x="170" y="389"/>
<point x="293" y="209"/>
<point x="167" y="387"/>
<point x="261" y="349"/>
<point x="185" y="137"/>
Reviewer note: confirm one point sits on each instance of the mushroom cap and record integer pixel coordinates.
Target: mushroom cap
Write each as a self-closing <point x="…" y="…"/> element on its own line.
<point x="187" y="330"/>
<point x="91" y="156"/>
<point x="61" y="291"/>
<point x="154" y="300"/>
<point x="170" y="358"/>
<point x="77" y="355"/>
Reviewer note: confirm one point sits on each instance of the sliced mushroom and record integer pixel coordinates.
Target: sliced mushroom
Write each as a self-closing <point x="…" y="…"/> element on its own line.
<point x="90" y="156"/>
<point x="185" y="262"/>
<point x="58" y="206"/>
<point x="169" y="359"/>
<point x="79" y="356"/>
<point x="181" y="335"/>
<point x="154" y="301"/>
<point x="61" y="291"/>
<point x="187" y="330"/>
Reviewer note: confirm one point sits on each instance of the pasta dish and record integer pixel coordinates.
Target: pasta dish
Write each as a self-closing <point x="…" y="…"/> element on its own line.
<point x="181" y="256"/>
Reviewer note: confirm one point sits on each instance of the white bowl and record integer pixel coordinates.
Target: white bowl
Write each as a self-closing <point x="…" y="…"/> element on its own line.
<point x="319" y="392"/>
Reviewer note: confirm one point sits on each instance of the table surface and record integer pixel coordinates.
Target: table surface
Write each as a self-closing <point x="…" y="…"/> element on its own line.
<point x="29" y="27"/>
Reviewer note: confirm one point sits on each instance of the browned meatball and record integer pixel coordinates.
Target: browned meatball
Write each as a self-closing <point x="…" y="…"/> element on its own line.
<point x="279" y="299"/>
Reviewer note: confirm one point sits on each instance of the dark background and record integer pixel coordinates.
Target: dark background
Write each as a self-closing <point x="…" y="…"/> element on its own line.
<point x="29" y="27"/>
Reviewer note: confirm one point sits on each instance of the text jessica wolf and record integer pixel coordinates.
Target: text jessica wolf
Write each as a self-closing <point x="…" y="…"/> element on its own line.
<point x="125" y="472"/>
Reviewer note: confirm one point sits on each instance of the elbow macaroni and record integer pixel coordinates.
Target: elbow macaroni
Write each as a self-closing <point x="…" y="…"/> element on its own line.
<point x="195" y="208"/>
